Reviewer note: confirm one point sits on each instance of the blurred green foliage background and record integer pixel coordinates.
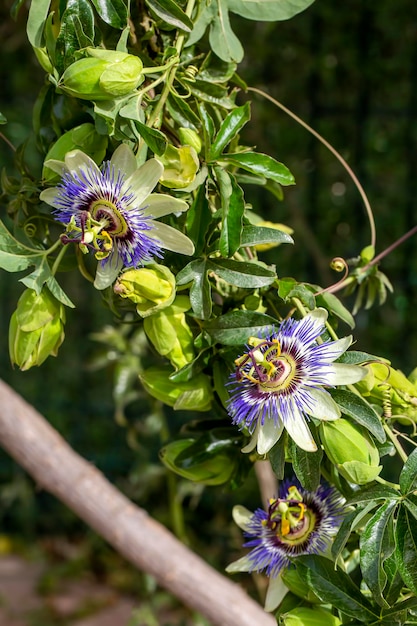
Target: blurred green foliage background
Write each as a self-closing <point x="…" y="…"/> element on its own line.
<point x="350" y="71"/>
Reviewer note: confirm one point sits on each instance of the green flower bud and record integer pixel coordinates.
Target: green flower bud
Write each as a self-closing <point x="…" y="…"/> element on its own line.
<point x="180" y="166"/>
<point x="189" y="137"/>
<point x="200" y="460"/>
<point x="103" y="75"/>
<point x="36" y="329"/>
<point x="390" y="389"/>
<point x="170" y="334"/>
<point x="151" y="288"/>
<point x="351" y="450"/>
<point x="192" y="395"/>
<point x="304" y="616"/>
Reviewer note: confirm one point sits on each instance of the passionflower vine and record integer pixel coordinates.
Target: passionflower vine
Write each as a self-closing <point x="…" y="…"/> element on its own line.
<point x="296" y="522"/>
<point x="111" y="210"/>
<point x="279" y="382"/>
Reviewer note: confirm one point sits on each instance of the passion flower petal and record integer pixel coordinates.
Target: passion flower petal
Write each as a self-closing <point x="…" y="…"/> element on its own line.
<point x="279" y="382"/>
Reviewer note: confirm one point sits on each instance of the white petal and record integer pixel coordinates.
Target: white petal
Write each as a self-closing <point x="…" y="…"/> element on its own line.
<point x="244" y="564"/>
<point x="107" y="272"/>
<point x="50" y="196"/>
<point x="344" y="374"/>
<point x="336" y="348"/>
<point x="124" y="160"/>
<point x="56" y="166"/>
<point x="269" y="433"/>
<point x="319" y="314"/>
<point x="242" y="516"/>
<point x="299" y="431"/>
<point x="172" y="239"/>
<point x="143" y="180"/>
<point x="159" y="204"/>
<point x="252" y="443"/>
<point x="77" y="160"/>
<point x="324" y="407"/>
<point x="277" y="591"/>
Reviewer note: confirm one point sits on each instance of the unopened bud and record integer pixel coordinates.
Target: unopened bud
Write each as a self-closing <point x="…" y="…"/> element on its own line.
<point x="189" y="137"/>
<point x="180" y="166"/>
<point x="192" y="395"/>
<point x="170" y="334"/>
<point x="36" y="329"/>
<point x="103" y="75"/>
<point x="351" y="450"/>
<point x="151" y="288"/>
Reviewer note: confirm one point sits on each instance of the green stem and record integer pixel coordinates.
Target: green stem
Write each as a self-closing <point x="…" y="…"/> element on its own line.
<point x="58" y="260"/>
<point x="397" y="445"/>
<point x="154" y="119"/>
<point x="387" y="483"/>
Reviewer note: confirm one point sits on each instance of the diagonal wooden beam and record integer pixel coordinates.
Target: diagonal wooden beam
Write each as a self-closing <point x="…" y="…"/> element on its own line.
<point x="55" y="466"/>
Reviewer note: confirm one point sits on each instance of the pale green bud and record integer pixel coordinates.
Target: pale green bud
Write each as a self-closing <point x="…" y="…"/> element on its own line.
<point x="170" y="334"/>
<point x="304" y="616"/>
<point x="390" y="389"/>
<point x="103" y="75"/>
<point x="189" y="137"/>
<point x="351" y="450"/>
<point x="36" y="329"/>
<point x="192" y="395"/>
<point x="151" y="288"/>
<point x="180" y="166"/>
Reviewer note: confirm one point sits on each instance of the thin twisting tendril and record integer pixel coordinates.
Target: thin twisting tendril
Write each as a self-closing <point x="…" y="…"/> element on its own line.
<point x="333" y="151"/>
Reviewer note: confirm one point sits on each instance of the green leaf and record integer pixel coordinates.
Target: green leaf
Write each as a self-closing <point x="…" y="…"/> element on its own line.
<point x="408" y="476"/>
<point x="153" y="137"/>
<point x="355" y="357"/>
<point x="306" y="465"/>
<point x="15" y="256"/>
<point x="343" y="534"/>
<point x="261" y="164"/>
<point x="411" y="503"/>
<point x="39" y="276"/>
<point x="223" y="40"/>
<point x="268" y="10"/>
<point x="3" y="119"/>
<point x="38" y="13"/>
<point x="210" y="92"/>
<point x="58" y="292"/>
<point x="230" y="127"/>
<point x="276" y="456"/>
<point x="171" y="13"/>
<point x="375" y="547"/>
<point x="248" y="275"/>
<point x="236" y="327"/>
<point x="77" y="31"/>
<point x="406" y="548"/>
<point x="256" y="235"/>
<point x="373" y="492"/>
<point x="208" y="126"/>
<point x="113" y="12"/>
<point x="330" y="302"/>
<point x="358" y="409"/>
<point x="200" y="290"/>
<point x="198" y="220"/>
<point x="334" y="587"/>
<point x="233" y="208"/>
<point x="182" y="113"/>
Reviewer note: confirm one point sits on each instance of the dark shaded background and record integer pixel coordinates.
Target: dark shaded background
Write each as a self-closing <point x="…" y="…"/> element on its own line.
<point x="349" y="70"/>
